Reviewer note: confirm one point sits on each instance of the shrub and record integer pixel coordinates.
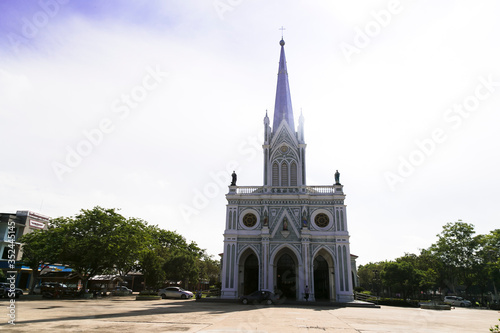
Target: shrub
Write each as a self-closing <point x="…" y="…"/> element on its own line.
<point x="495" y="329"/>
<point x="148" y="292"/>
<point x="398" y="302"/>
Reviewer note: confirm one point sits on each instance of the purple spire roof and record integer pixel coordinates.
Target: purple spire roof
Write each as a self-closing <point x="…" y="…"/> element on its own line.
<point x="283" y="105"/>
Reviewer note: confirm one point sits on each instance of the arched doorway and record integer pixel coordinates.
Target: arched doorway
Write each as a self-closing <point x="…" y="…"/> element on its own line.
<point x="286" y="276"/>
<point x="321" y="278"/>
<point x="250" y="274"/>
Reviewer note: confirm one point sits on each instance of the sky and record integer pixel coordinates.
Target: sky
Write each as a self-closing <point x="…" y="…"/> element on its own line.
<point x="148" y="106"/>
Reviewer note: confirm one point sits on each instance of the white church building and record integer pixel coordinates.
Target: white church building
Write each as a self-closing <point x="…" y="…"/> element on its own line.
<point x="284" y="235"/>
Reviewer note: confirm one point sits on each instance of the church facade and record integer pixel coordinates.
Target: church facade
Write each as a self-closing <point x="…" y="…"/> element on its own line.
<point x="284" y="235"/>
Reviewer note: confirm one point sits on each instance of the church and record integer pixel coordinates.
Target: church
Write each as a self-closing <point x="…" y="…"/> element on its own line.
<point x="284" y="235"/>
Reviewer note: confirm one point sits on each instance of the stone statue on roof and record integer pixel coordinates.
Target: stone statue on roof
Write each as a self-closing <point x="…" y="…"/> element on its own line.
<point x="233" y="179"/>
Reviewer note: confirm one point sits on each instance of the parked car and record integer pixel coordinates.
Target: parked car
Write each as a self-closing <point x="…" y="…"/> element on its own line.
<point x="5" y="290"/>
<point x="175" y="292"/>
<point x="57" y="290"/>
<point x="260" y="296"/>
<point x="457" y="301"/>
<point x="37" y="290"/>
<point x="121" y="290"/>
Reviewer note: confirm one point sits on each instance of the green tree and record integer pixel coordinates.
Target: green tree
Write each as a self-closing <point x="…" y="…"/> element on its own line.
<point x="457" y="249"/>
<point x="209" y="269"/>
<point x="179" y="261"/>
<point x="99" y="240"/>
<point x="181" y="264"/>
<point x="400" y="277"/>
<point x="130" y="242"/>
<point x="432" y="268"/>
<point x="151" y="265"/>
<point x="40" y="248"/>
<point x="428" y="280"/>
<point x="152" y="258"/>
<point x="490" y="259"/>
<point x="93" y="241"/>
<point x="369" y="276"/>
<point x="425" y="275"/>
<point x="181" y="258"/>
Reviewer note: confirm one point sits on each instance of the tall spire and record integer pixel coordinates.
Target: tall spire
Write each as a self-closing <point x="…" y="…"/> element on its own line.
<point x="283" y="104"/>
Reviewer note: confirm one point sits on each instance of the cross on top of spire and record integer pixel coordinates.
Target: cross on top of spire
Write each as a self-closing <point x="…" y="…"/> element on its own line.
<point x="281" y="31"/>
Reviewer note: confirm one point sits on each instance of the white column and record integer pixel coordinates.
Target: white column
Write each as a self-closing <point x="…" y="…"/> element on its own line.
<point x="229" y="264"/>
<point x="265" y="259"/>
<point x="306" y="280"/>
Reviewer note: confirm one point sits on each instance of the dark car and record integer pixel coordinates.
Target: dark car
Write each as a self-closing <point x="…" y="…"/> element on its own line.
<point x="260" y="296"/>
<point x="57" y="290"/>
<point x="5" y="290"/>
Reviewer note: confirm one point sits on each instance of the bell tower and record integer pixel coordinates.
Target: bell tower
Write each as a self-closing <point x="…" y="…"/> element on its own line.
<point x="284" y="149"/>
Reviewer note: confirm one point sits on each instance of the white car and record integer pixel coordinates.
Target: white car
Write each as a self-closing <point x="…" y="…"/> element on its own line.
<point x="175" y="292"/>
<point x="457" y="301"/>
<point x="122" y="290"/>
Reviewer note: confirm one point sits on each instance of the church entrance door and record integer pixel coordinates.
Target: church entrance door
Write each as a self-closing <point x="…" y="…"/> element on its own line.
<point x="251" y="275"/>
<point x="321" y="279"/>
<point x="286" y="277"/>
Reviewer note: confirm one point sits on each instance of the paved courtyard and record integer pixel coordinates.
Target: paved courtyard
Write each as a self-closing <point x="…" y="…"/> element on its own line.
<point x="124" y="314"/>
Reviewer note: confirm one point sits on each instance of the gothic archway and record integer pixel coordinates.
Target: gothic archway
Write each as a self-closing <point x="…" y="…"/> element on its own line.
<point x="321" y="279"/>
<point x="286" y="276"/>
<point x="250" y="274"/>
<point x="323" y="271"/>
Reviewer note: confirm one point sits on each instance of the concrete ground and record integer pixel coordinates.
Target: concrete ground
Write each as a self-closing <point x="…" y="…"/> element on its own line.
<point x="125" y="314"/>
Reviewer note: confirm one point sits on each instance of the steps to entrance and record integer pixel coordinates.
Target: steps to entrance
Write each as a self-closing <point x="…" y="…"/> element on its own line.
<point x="359" y="304"/>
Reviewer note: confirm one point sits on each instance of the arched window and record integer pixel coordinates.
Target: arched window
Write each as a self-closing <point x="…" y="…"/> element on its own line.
<point x="228" y="265"/>
<point x="346" y="274"/>
<point x="275" y="174"/>
<point x="293" y="174"/>
<point x="284" y="174"/>
<point x="342" y="220"/>
<point x="338" y="220"/>
<point x="341" y="267"/>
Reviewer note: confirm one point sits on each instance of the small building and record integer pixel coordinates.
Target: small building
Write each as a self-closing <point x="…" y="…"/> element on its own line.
<point x="104" y="283"/>
<point x="61" y="274"/>
<point x="12" y="227"/>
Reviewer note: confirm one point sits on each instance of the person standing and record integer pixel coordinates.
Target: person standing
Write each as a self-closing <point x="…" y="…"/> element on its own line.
<point x="306" y="292"/>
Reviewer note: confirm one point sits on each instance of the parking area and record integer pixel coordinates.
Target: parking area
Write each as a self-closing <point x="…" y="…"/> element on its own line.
<point x="125" y="314"/>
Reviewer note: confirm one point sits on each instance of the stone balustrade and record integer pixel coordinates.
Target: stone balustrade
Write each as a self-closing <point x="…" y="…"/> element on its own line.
<point x="311" y="190"/>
